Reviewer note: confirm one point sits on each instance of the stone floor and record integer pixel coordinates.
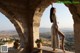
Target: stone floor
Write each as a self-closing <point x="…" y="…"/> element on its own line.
<point x="43" y="49"/>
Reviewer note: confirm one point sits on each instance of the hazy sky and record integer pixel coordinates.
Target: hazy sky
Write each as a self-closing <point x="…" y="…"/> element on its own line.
<point x="64" y="18"/>
<point x="5" y="24"/>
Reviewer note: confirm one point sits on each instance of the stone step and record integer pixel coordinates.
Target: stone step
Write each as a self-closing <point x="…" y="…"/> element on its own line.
<point x="45" y="49"/>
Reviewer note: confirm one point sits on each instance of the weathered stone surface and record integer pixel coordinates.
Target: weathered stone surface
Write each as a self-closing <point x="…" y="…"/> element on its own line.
<point x="25" y="15"/>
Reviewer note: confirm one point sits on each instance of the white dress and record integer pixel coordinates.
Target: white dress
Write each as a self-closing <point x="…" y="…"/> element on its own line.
<point x="54" y="34"/>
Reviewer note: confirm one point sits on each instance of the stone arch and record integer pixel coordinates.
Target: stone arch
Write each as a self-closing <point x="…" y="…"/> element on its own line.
<point x="14" y="21"/>
<point x="37" y="17"/>
<point x="38" y="13"/>
<point x="30" y="9"/>
<point x="74" y="9"/>
<point x="22" y="25"/>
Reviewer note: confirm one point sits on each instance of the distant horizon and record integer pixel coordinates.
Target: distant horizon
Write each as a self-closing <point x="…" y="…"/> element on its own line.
<point x="64" y="19"/>
<point x="59" y="28"/>
<point x="39" y="28"/>
<point x="63" y="16"/>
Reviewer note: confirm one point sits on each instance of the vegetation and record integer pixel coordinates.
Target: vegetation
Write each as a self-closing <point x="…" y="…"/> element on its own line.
<point x="38" y="41"/>
<point x="69" y="44"/>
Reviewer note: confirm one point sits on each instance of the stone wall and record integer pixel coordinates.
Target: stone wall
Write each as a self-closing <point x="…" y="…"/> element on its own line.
<point x="25" y="15"/>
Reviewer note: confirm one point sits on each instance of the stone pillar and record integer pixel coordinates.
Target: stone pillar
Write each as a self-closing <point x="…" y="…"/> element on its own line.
<point x="36" y="24"/>
<point x="36" y="34"/>
<point x="76" y="17"/>
<point x="77" y="37"/>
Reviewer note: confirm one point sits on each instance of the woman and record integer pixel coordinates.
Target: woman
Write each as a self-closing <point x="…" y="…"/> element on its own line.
<point x="55" y="31"/>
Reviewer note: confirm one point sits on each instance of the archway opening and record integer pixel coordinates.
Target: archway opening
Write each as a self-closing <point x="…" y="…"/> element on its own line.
<point x="8" y="33"/>
<point x="65" y="25"/>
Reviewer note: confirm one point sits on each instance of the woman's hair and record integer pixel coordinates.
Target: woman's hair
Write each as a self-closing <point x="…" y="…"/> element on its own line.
<point x="51" y="13"/>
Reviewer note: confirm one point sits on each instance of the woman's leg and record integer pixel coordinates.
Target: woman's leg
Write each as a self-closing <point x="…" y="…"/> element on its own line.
<point x="62" y="40"/>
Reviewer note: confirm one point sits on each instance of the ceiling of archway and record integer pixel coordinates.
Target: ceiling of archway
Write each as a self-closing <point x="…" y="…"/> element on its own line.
<point x="20" y="7"/>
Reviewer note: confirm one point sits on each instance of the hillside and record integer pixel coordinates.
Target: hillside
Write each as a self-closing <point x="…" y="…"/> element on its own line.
<point x="45" y="35"/>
